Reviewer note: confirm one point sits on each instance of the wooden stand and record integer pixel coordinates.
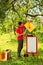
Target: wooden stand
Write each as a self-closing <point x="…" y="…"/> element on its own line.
<point x="31" y="45"/>
<point x="4" y="56"/>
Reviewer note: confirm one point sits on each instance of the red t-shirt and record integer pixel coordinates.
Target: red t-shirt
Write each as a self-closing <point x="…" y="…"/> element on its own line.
<point x="20" y="30"/>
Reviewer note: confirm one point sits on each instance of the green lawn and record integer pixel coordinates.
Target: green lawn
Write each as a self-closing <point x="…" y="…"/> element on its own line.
<point x="9" y="41"/>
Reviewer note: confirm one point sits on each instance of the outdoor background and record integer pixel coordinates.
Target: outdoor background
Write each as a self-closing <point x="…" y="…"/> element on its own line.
<point x="11" y="12"/>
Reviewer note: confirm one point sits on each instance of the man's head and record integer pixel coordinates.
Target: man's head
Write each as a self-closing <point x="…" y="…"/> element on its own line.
<point x="20" y="23"/>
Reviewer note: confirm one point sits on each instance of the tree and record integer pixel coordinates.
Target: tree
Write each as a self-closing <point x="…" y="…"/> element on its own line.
<point x="21" y="9"/>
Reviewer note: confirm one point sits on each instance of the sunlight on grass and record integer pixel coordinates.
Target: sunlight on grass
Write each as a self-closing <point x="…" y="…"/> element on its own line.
<point x="5" y="42"/>
<point x="9" y="41"/>
<point x="40" y="45"/>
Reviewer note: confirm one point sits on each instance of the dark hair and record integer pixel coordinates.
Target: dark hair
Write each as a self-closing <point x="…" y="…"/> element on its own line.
<point x="19" y="23"/>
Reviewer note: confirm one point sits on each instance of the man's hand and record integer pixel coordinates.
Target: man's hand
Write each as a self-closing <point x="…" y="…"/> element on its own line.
<point x="24" y="32"/>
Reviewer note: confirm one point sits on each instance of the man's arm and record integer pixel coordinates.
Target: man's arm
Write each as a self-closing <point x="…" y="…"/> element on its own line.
<point x="20" y="34"/>
<point x="17" y="34"/>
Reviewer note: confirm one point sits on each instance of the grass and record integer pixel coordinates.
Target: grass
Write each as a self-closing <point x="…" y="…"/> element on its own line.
<point x="9" y="41"/>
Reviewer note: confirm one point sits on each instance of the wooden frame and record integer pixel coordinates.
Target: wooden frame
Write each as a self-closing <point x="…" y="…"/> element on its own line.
<point x="27" y="52"/>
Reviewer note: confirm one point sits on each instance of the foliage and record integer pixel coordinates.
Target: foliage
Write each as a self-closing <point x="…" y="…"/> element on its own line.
<point x="13" y="11"/>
